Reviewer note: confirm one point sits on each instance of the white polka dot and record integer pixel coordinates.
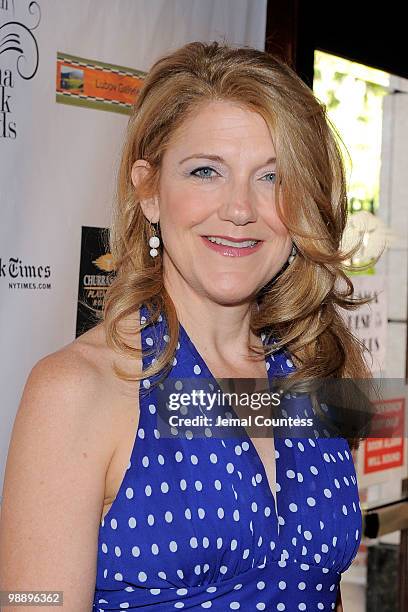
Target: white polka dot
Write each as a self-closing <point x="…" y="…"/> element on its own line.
<point x="155" y="549"/>
<point x="182" y="592"/>
<point x="113" y="523"/>
<point x="293" y="507"/>
<point x="213" y="458"/>
<point x="290" y="474"/>
<point x="281" y="606"/>
<point x="282" y="584"/>
<point x="260" y="585"/>
<point x="129" y="492"/>
<point x="168" y="517"/>
<point x="302" y="585"/>
<point x="327" y="493"/>
<point x="197" y="369"/>
<point x="234" y="605"/>
<point x="173" y="546"/>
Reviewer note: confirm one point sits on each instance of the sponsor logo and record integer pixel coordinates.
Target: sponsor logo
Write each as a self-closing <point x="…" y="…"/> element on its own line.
<point x="95" y="276"/>
<point x="23" y="275"/>
<point x="94" y="84"/>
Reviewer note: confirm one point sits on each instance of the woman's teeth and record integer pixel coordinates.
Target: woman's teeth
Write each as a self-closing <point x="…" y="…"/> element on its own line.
<point x="239" y="245"/>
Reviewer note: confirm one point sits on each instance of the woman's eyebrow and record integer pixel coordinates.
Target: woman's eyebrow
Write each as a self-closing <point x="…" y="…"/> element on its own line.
<point x="218" y="158"/>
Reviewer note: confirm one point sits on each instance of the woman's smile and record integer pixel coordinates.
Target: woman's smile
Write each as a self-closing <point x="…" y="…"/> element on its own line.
<point x="230" y="247"/>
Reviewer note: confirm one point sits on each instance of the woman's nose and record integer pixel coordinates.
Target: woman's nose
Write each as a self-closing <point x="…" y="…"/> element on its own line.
<point x="238" y="207"/>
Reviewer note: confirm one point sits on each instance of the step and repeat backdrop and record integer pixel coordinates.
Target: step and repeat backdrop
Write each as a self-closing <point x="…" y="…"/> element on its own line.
<point x="69" y="71"/>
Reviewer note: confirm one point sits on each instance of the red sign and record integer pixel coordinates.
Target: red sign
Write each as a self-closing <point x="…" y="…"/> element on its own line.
<point x="386" y="452"/>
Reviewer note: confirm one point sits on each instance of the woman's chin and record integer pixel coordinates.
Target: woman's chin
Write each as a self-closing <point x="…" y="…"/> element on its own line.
<point x="230" y="296"/>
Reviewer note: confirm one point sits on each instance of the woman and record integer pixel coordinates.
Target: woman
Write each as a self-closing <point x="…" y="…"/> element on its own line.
<point x="231" y="205"/>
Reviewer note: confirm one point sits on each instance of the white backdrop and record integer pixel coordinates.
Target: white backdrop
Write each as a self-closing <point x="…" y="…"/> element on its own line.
<point x="58" y="162"/>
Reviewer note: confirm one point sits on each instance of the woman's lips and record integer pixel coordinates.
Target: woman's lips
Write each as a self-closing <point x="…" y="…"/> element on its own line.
<point x="230" y="251"/>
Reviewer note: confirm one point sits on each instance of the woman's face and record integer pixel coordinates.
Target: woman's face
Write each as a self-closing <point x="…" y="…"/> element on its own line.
<point x="217" y="180"/>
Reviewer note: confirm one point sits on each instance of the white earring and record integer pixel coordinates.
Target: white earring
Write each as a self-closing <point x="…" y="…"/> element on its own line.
<point x="292" y="254"/>
<point x="154" y="242"/>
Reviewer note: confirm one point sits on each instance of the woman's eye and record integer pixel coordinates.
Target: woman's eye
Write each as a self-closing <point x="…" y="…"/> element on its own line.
<point x="271" y="174"/>
<point x="203" y="176"/>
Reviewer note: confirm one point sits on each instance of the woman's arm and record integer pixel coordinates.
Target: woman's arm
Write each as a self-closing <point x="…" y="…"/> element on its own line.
<point x="54" y="483"/>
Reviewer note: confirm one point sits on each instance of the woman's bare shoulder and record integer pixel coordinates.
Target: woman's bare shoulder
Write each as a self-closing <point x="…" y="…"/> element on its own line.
<point x="91" y="350"/>
<point x="84" y="368"/>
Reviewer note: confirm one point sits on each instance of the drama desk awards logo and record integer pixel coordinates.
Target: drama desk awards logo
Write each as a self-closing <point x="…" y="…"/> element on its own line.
<point x="19" y="57"/>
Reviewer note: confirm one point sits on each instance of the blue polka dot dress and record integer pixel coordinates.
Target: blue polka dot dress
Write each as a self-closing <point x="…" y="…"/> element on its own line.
<point x="194" y="525"/>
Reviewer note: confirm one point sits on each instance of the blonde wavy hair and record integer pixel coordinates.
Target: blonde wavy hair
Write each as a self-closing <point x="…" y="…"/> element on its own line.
<point x="298" y="308"/>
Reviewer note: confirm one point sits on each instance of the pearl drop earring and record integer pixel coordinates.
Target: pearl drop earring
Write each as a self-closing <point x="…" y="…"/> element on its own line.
<point x="154" y="242"/>
<point x="292" y="254"/>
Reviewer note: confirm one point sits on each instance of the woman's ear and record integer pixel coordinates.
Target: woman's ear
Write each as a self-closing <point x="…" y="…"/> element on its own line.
<point x="149" y="206"/>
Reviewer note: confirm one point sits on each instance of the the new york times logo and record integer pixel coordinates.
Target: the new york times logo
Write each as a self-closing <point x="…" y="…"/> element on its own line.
<point x="23" y="275"/>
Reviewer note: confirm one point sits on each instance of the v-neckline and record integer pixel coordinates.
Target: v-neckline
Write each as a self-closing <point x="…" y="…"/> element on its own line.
<point x="268" y="366"/>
